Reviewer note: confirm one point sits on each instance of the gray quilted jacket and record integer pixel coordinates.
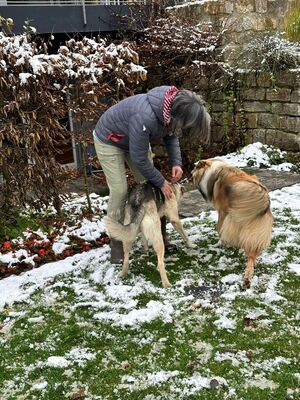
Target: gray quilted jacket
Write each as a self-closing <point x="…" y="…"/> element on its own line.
<point x="133" y="123"/>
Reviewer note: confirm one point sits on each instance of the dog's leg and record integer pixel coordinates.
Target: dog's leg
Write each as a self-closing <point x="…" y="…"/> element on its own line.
<point x="152" y="231"/>
<point x="151" y="228"/>
<point x="221" y="217"/>
<point x="249" y="269"/>
<point x="126" y="247"/>
<point x="144" y="241"/>
<point x="172" y="214"/>
<point x="159" y="247"/>
<point x="179" y="228"/>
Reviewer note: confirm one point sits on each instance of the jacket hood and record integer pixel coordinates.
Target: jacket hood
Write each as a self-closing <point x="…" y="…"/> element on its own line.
<point x="156" y="99"/>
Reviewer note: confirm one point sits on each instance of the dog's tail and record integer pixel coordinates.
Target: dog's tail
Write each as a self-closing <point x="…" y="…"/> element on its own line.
<point x="253" y="236"/>
<point x="248" y="223"/>
<point x="248" y="200"/>
<point x="122" y="232"/>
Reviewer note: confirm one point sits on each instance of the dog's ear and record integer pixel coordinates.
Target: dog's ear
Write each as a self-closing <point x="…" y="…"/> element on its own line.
<point x="199" y="171"/>
<point x="201" y="164"/>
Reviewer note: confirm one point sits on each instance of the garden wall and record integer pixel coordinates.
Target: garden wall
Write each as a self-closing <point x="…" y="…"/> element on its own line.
<point x="238" y="16"/>
<point x="264" y="110"/>
<point x="260" y="107"/>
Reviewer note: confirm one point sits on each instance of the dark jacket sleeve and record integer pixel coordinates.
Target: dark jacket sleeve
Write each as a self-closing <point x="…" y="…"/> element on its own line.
<point x="139" y="148"/>
<point x="173" y="149"/>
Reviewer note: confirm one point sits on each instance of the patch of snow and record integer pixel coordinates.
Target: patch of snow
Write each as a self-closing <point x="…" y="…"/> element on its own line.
<point x="285" y="166"/>
<point x="153" y="310"/>
<point x="237" y="358"/>
<point x="89" y="230"/>
<point x="262" y="383"/>
<point x="39" y="385"/>
<point x="225" y="323"/>
<point x="231" y="278"/>
<point x="197" y="382"/>
<point x="257" y="155"/>
<point x="14" y="256"/>
<point x="295" y="268"/>
<point x="13" y="289"/>
<point x="158" y="377"/>
<point x="255" y="313"/>
<point x="24" y="76"/>
<point x="188" y="3"/>
<point x="59" y="247"/>
<point x="35" y="320"/>
<point x="57" y="362"/>
<point x="271" y="294"/>
<point x="80" y="355"/>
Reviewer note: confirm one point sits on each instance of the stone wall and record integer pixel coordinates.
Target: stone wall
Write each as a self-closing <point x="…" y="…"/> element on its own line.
<point x="240" y="17"/>
<point x="264" y="110"/>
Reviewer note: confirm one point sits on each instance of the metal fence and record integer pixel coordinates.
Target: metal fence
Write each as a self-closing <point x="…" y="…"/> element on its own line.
<point x="70" y="2"/>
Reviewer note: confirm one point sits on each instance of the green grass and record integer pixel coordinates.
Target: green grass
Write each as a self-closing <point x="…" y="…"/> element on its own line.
<point x="292" y="21"/>
<point x="19" y="224"/>
<point x="124" y="362"/>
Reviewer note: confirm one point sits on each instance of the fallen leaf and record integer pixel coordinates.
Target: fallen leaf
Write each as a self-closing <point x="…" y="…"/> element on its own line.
<point x="77" y="395"/>
<point x="250" y="322"/>
<point x="193" y="365"/>
<point x="125" y="364"/>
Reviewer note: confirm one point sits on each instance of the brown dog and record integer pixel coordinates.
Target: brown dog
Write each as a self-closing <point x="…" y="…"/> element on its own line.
<point x="243" y="205"/>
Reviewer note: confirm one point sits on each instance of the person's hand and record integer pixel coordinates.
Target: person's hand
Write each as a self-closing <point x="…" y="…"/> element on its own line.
<point x="176" y="173"/>
<point x="167" y="190"/>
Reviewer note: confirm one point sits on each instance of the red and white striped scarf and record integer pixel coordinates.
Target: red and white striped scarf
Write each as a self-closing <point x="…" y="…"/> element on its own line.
<point x="169" y="96"/>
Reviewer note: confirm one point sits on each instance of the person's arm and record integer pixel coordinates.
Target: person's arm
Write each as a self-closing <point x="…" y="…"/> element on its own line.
<point x="174" y="154"/>
<point x="139" y="142"/>
<point x="173" y="149"/>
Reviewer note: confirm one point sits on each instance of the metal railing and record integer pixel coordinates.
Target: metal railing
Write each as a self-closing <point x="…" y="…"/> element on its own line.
<point x="70" y="2"/>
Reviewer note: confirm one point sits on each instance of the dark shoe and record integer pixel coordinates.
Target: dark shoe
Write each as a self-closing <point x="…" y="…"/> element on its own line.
<point x="116" y="251"/>
<point x="169" y="247"/>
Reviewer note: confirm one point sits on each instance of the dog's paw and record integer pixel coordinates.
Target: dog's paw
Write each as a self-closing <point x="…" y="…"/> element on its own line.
<point x="122" y="274"/>
<point x="246" y="284"/>
<point x="166" y="284"/>
<point x="191" y="245"/>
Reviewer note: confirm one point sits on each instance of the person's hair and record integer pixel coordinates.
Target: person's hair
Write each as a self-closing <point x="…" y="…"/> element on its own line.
<point x="188" y="114"/>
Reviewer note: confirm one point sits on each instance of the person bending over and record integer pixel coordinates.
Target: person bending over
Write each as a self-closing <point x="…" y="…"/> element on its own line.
<point x="124" y="133"/>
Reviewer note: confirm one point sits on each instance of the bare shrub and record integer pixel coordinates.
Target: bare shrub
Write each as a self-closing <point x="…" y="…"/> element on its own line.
<point x="37" y="91"/>
<point x="180" y="52"/>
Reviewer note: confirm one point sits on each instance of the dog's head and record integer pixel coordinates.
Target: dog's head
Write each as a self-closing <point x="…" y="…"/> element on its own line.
<point x="199" y="171"/>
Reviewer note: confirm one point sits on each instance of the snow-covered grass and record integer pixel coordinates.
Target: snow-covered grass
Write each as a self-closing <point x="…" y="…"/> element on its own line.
<point x="73" y="329"/>
<point x="74" y="233"/>
<point x="266" y="53"/>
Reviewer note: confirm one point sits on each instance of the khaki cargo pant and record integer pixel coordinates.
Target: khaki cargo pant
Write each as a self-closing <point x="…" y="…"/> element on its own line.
<point x="112" y="160"/>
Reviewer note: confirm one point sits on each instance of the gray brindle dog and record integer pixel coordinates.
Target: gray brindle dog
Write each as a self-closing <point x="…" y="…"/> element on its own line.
<point x="144" y="208"/>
